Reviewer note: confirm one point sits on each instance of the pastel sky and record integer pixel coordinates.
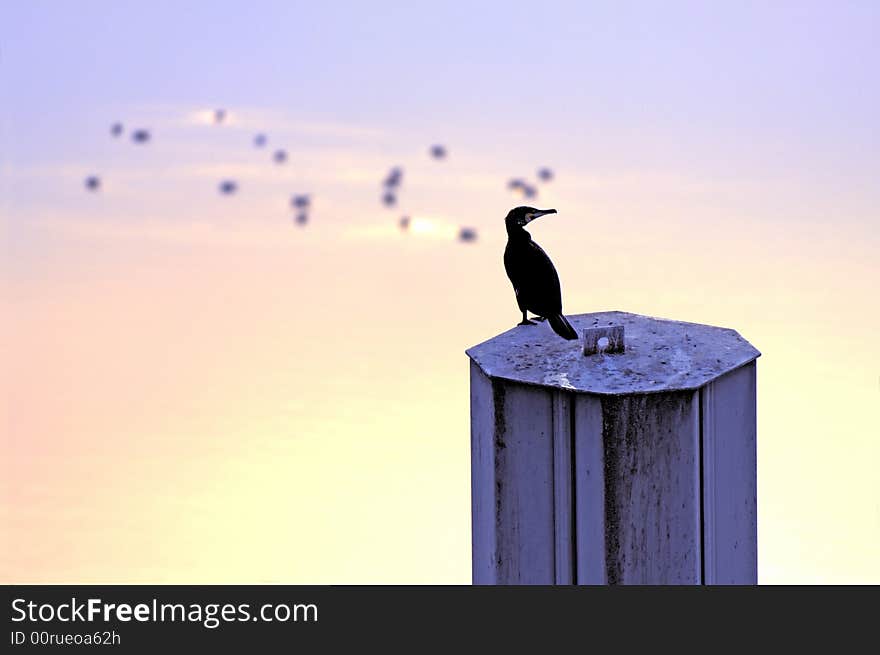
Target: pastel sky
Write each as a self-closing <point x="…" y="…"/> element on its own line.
<point x="198" y="390"/>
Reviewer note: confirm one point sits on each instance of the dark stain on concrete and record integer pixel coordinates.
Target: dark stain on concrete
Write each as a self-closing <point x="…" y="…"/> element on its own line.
<point x="642" y="440"/>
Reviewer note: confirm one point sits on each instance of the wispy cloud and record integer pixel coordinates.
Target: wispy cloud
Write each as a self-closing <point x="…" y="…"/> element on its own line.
<point x="267" y="121"/>
<point x="422" y="227"/>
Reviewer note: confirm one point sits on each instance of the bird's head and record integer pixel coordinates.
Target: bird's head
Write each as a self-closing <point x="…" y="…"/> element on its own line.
<point x="520" y="216"/>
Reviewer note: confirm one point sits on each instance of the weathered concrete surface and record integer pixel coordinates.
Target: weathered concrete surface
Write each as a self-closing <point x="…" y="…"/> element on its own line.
<point x="651" y="476"/>
<point x="577" y="488"/>
<point x="512" y="480"/>
<point x="661" y="355"/>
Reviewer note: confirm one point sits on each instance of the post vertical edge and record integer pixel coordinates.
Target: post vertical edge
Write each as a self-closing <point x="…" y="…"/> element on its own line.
<point x="562" y="489"/>
<point x="589" y="490"/>
<point x="707" y="482"/>
<point x="525" y="539"/>
<point x="729" y="433"/>
<point x="483" y="545"/>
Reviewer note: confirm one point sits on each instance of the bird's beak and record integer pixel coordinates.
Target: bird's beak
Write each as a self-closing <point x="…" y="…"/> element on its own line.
<point x="538" y="214"/>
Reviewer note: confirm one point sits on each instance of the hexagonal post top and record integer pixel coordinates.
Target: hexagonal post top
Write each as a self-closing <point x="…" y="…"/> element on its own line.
<point x="660" y="355"/>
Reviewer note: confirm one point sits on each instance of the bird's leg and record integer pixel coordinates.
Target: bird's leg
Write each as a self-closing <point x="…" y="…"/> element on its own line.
<point x="525" y="320"/>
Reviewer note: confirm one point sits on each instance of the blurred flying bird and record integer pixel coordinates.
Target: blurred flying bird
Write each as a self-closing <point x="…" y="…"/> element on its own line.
<point x="260" y="140"/>
<point x="534" y="278"/>
<point x="395" y="175"/>
<point x="438" y="152"/>
<point x="519" y="185"/>
<point x="545" y="174"/>
<point x="280" y="156"/>
<point x="467" y="234"/>
<point x="301" y="201"/>
<point x="93" y="183"/>
<point x="140" y="136"/>
<point x="116" y="130"/>
<point x="228" y="187"/>
<point x="219" y="115"/>
<point x="389" y="199"/>
<point x="302" y="218"/>
<point x="403" y="223"/>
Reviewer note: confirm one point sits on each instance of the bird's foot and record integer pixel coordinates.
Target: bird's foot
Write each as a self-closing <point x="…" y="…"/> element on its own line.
<point x="526" y="322"/>
<point x="540" y="319"/>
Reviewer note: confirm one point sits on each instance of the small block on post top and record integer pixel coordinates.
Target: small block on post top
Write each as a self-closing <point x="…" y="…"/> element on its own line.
<point x="608" y="339"/>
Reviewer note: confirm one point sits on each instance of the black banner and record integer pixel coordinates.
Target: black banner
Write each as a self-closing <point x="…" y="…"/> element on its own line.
<point x="182" y="618"/>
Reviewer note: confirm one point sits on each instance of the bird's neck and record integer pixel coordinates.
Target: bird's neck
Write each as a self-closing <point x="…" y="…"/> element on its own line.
<point x="517" y="233"/>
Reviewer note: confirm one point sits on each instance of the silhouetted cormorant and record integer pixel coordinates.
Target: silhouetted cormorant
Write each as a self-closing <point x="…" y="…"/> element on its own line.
<point x="532" y="274"/>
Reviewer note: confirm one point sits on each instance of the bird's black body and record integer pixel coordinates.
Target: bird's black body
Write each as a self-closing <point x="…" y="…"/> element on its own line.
<point x="532" y="274"/>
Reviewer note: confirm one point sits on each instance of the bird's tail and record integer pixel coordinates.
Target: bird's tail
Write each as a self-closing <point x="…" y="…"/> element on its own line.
<point x="562" y="327"/>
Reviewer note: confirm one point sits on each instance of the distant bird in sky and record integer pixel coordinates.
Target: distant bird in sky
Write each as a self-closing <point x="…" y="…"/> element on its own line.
<point x="302" y="218"/>
<point x="260" y="140"/>
<point x="394" y="178"/>
<point x="302" y="201"/>
<point x="116" y="130"/>
<point x="280" y="156"/>
<point x="519" y="185"/>
<point x="467" y="234"/>
<point x="389" y="199"/>
<point x="403" y="223"/>
<point x="438" y="152"/>
<point x="545" y="174"/>
<point x="228" y="187"/>
<point x="93" y="183"/>
<point x="140" y="136"/>
<point x="219" y="115"/>
<point x="534" y="278"/>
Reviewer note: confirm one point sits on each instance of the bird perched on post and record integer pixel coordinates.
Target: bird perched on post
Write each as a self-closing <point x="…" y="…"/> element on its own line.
<point x="532" y="274"/>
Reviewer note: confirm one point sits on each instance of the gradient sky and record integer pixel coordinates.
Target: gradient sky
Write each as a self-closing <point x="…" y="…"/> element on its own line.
<point x="197" y="390"/>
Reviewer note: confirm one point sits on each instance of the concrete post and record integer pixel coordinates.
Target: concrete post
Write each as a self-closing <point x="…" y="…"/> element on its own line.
<point x="635" y="467"/>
